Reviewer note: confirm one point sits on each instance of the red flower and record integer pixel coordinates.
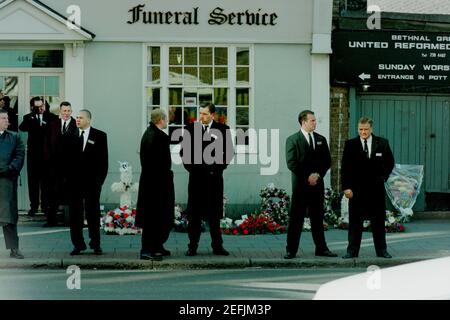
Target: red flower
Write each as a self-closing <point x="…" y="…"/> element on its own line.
<point x="235" y="231"/>
<point x="125" y="215"/>
<point x="245" y="232"/>
<point x="117" y="216"/>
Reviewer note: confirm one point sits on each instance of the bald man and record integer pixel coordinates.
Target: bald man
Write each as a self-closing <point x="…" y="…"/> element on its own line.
<point x="89" y="167"/>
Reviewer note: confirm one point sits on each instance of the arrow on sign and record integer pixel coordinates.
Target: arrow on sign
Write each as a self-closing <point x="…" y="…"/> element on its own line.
<point x="364" y="76"/>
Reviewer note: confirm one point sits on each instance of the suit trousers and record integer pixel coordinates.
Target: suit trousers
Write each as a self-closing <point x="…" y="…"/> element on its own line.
<point x="37" y="184"/>
<point x="154" y="237"/>
<point x="309" y="198"/>
<point x="85" y="202"/>
<point x="205" y="205"/>
<point x="11" y="237"/>
<point x="356" y="225"/>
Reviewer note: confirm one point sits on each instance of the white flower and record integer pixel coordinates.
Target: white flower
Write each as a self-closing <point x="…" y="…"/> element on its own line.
<point x="108" y="219"/>
<point x="391" y="219"/>
<point x="244" y="217"/>
<point x="129" y="219"/>
<point x="307" y="224"/>
<point x="238" y="222"/>
<point x="271" y="186"/>
<point x="118" y="211"/>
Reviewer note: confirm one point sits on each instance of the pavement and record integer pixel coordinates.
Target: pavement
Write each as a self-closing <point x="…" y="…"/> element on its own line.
<point x="49" y="248"/>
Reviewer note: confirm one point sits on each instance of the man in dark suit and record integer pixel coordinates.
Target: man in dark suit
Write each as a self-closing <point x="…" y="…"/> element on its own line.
<point x="156" y="196"/>
<point x="206" y="150"/>
<point x="367" y="163"/>
<point x="88" y="172"/>
<point x="308" y="158"/>
<point x="56" y="156"/>
<point x="12" y="156"/>
<point x="36" y="124"/>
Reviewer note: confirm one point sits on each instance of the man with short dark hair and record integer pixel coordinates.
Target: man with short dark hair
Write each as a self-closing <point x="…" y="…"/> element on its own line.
<point x="156" y="197"/>
<point x="36" y="124"/>
<point x="367" y="162"/>
<point x="308" y="158"/>
<point x="89" y="167"/>
<point x="56" y="156"/>
<point x="207" y="149"/>
<point x="11" y="162"/>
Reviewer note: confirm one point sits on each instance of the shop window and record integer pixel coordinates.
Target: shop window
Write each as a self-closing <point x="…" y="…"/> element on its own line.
<point x="47" y="87"/>
<point x="182" y="78"/>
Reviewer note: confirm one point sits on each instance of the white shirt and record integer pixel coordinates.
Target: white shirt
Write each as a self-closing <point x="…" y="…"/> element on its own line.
<point x="86" y="135"/>
<point x="207" y="126"/>
<point x="67" y="124"/>
<point x="1" y="132"/>
<point x="40" y="118"/>
<point x="369" y="144"/>
<point x="307" y="137"/>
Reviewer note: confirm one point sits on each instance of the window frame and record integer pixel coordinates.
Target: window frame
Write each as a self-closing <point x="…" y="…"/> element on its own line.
<point x="232" y="85"/>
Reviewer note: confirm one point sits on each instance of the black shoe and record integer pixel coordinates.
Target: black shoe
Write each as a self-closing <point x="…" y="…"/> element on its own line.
<point x="15" y="253"/>
<point x="326" y="253"/>
<point x="32" y="212"/>
<point x="157" y="256"/>
<point x="191" y="252"/>
<point x="289" y="255"/>
<point x="164" y="252"/>
<point x="349" y="255"/>
<point x="220" y="252"/>
<point x="49" y="225"/>
<point x="77" y="251"/>
<point x="98" y="251"/>
<point x="384" y="254"/>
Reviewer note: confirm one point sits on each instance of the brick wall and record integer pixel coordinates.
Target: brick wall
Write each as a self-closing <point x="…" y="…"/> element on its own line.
<point x="339" y="129"/>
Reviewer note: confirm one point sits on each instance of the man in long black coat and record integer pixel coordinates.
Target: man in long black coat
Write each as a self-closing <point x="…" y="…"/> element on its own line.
<point x="206" y="151"/>
<point x="89" y="167"/>
<point x="156" y="196"/>
<point x="308" y="158"/>
<point x="367" y="163"/>
<point x="12" y="155"/>
<point x="36" y="124"/>
<point x="56" y="156"/>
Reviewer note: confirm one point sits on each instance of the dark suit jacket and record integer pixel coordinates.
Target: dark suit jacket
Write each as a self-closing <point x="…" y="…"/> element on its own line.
<point x="156" y="197"/>
<point x="301" y="162"/>
<point x="366" y="177"/>
<point x="56" y="143"/>
<point x="193" y="147"/>
<point x="206" y="174"/>
<point x="90" y="167"/>
<point x="36" y="132"/>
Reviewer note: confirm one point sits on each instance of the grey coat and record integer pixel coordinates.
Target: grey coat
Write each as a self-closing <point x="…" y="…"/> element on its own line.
<point x="12" y="153"/>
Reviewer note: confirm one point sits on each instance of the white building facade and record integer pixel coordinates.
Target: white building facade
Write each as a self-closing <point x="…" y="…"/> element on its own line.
<point x="260" y="62"/>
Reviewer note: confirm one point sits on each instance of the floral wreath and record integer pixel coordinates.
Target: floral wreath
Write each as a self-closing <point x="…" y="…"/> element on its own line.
<point x="278" y="210"/>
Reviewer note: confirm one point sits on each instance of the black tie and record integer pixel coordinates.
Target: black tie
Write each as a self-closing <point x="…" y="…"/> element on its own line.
<point x="205" y="129"/>
<point x="366" y="149"/>
<point x="311" y="146"/>
<point x="82" y="140"/>
<point x="65" y="127"/>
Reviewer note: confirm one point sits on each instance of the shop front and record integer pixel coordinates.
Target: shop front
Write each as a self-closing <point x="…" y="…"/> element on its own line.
<point x="260" y="63"/>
